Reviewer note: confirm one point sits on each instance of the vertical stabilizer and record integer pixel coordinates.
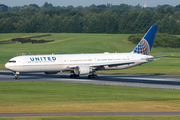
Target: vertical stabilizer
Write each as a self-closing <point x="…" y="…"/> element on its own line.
<point x="144" y="46"/>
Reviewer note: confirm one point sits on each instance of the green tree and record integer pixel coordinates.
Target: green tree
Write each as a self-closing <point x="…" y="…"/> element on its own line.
<point x="14" y="9"/>
<point x="28" y="11"/>
<point x="3" y="8"/>
<point x="47" y="5"/>
<point x="137" y="8"/>
<point x="35" y="6"/>
<point x="80" y="8"/>
<point x="169" y="10"/>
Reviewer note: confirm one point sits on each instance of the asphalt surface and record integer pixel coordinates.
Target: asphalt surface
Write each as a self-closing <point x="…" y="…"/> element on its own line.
<point x="146" y="81"/>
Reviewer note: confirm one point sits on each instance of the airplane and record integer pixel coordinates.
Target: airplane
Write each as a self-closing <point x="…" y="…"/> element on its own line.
<point x="84" y="64"/>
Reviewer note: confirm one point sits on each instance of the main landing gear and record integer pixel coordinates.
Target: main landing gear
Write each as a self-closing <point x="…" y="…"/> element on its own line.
<point x="16" y="75"/>
<point x="94" y="76"/>
<point x="74" y="76"/>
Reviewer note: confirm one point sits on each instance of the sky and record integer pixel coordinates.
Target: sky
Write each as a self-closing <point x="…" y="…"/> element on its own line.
<point x="75" y="3"/>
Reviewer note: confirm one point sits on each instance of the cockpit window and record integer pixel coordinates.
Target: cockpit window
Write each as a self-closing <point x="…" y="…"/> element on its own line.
<point x="12" y="61"/>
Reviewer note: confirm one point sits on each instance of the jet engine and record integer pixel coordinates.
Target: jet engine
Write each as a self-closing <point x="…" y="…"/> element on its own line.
<point x="80" y="70"/>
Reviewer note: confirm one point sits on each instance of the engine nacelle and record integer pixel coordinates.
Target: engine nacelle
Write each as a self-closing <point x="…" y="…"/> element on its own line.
<point x="50" y="73"/>
<point x="80" y="70"/>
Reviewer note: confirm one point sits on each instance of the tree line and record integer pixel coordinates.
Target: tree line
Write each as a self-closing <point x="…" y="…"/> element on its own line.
<point x="161" y="40"/>
<point x="108" y="18"/>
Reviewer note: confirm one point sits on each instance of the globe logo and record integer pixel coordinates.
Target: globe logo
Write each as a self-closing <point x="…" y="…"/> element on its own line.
<point x="142" y="48"/>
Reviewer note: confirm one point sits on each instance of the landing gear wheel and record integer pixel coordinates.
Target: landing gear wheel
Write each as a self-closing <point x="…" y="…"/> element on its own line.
<point x="17" y="77"/>
<point x="74" y="76"/>
<point x="95" y="76"/>
<point x="92" y="76"/>
<point x="77" y="76"/>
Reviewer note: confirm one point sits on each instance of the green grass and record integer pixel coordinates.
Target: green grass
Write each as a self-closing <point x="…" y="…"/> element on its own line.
<point x="97" y="118"/>
<point x="32" y="97"/>
<point x="31" y="93"/>
<point x="71" y="43"/>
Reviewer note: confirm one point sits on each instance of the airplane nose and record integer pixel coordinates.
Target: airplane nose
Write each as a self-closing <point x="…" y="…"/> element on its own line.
<point x="6" y="65"/>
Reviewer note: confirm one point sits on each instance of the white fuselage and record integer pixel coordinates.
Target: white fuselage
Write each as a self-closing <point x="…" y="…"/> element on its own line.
<point x="57" y="63"/>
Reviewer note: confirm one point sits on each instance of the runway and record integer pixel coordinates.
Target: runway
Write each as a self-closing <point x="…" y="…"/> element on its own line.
<point x="145" y="81"/>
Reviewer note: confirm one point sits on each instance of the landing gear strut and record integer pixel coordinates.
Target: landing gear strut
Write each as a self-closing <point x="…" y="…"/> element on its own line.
<point x="94" y="76"/>
<point x="16" y="75"/>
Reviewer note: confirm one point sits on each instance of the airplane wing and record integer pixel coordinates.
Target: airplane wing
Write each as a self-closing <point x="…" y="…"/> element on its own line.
<point x="163" y="56"/>
<point x="110" y="64"/>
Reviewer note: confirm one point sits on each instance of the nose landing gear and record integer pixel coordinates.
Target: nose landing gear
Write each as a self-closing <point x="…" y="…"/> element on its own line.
<point x="16" y="75"/>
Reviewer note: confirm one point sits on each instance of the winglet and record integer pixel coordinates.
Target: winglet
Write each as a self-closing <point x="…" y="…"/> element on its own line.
<point x="144" y="46"/>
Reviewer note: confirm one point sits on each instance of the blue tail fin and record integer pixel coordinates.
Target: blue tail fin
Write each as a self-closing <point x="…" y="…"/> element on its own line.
<point x="144" y="46"/>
